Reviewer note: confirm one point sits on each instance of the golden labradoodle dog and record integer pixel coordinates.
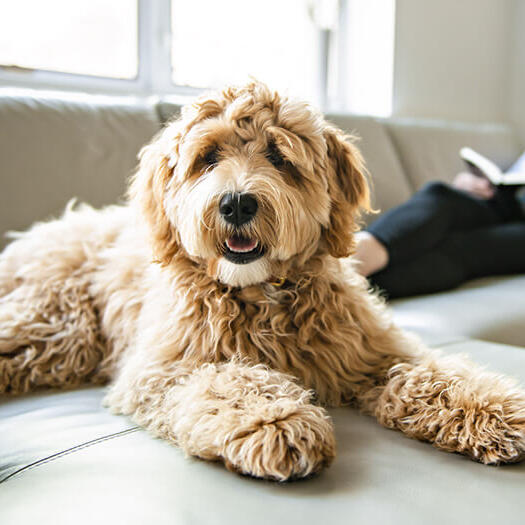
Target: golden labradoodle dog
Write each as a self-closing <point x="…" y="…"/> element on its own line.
<point x="223" y="306"/>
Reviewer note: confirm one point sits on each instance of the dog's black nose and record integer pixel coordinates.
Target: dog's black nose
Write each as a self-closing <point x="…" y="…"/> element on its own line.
<point x="238" y="208"/>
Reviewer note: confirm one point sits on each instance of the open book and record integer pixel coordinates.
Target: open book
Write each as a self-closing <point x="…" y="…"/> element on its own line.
<point x="480" y="165"/>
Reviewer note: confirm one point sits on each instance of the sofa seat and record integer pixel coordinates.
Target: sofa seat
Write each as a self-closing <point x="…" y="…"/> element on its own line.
<point x="65" y="459"/>
<point x="492" y="309"/>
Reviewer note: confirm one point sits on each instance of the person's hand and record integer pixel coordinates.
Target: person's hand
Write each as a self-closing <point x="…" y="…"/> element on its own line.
<point x="478" y="186"/>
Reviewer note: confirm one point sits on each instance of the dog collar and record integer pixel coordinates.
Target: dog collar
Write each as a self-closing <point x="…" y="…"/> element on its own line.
<point x="277" y="282"/>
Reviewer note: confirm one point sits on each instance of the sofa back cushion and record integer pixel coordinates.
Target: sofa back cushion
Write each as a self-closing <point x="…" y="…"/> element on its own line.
<point x="429" y="150"/>
<point x="167" y="110"/>
<point x="52" y="150"/>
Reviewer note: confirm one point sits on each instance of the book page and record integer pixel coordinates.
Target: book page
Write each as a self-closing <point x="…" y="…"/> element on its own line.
<point x="483" y="164"/>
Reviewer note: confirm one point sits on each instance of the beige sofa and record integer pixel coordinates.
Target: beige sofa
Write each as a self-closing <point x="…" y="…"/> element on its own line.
<point x="64" y="459"/>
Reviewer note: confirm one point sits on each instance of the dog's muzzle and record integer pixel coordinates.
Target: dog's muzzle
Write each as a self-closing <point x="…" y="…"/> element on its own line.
<point x="238" y="209"/>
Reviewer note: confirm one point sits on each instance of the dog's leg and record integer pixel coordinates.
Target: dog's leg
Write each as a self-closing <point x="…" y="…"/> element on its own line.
<point x="257" y="421"/>
<point x="49" y="336"/>
<point x="447" y="401"/>
<point x="454" y="404"/>
<point x="49" y="325"/>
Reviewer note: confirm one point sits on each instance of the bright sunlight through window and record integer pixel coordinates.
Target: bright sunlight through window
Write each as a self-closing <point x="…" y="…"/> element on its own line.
<point x="94" y="37"/>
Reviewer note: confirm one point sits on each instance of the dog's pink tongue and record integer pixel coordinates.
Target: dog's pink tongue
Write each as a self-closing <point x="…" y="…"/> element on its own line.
<point x="241" y="244"/>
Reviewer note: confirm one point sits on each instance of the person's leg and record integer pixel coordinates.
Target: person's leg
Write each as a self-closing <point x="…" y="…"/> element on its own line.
<point x="429" y="216"/>
<point x="506" y="204"/>
<point x="430" y="272"/>
<point x="494" y="250"/>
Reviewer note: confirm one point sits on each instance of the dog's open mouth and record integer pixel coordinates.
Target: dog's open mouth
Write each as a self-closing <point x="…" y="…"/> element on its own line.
<point x="242" y="250"/>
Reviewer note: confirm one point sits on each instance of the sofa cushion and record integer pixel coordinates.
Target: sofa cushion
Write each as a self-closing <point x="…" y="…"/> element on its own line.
<point x="429" y="150"/>
<point x="53" y="149"/>
<point x="126" y="476"/>
<point x="167" y="110"/>
<point x="51" y="424"/>
<point x="492" y="309"/>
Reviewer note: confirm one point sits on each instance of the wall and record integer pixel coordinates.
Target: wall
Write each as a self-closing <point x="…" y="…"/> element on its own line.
<point x="517" y="94"/>
<point x="453" y="58"/>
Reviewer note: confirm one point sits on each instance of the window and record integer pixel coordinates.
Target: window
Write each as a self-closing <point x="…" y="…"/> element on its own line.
<point x="366" y="83"/>
<point x="335" y="53"/>
<point x="217" y="42"/>
<point x="94" y="37"/>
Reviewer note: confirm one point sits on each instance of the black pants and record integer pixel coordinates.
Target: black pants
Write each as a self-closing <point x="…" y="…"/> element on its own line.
<point x="442" y="237"/>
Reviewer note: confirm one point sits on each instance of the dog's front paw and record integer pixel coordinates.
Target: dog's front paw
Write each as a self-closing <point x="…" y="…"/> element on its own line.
<point x="490" y="426"/>
<point x="287" y="448"/>
<point x="492" y="440"/>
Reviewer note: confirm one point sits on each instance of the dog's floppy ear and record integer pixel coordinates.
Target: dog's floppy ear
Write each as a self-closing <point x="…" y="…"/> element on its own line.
<point x="348" y="189"/>
<point x="146" y="192"/>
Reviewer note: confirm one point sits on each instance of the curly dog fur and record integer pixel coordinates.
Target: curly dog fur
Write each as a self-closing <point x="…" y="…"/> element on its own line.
<point x="228" y="338"/>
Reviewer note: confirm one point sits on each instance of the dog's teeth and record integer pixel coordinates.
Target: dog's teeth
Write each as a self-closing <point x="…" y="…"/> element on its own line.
<point x="244" y="246"/>
<point x="242" y="250"/>
<point x="239" y="250"/>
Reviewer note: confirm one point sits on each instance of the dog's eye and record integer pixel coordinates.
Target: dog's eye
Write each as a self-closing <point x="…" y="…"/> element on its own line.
<point x="211" y="157"/>
<point x="274" y="155"/>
